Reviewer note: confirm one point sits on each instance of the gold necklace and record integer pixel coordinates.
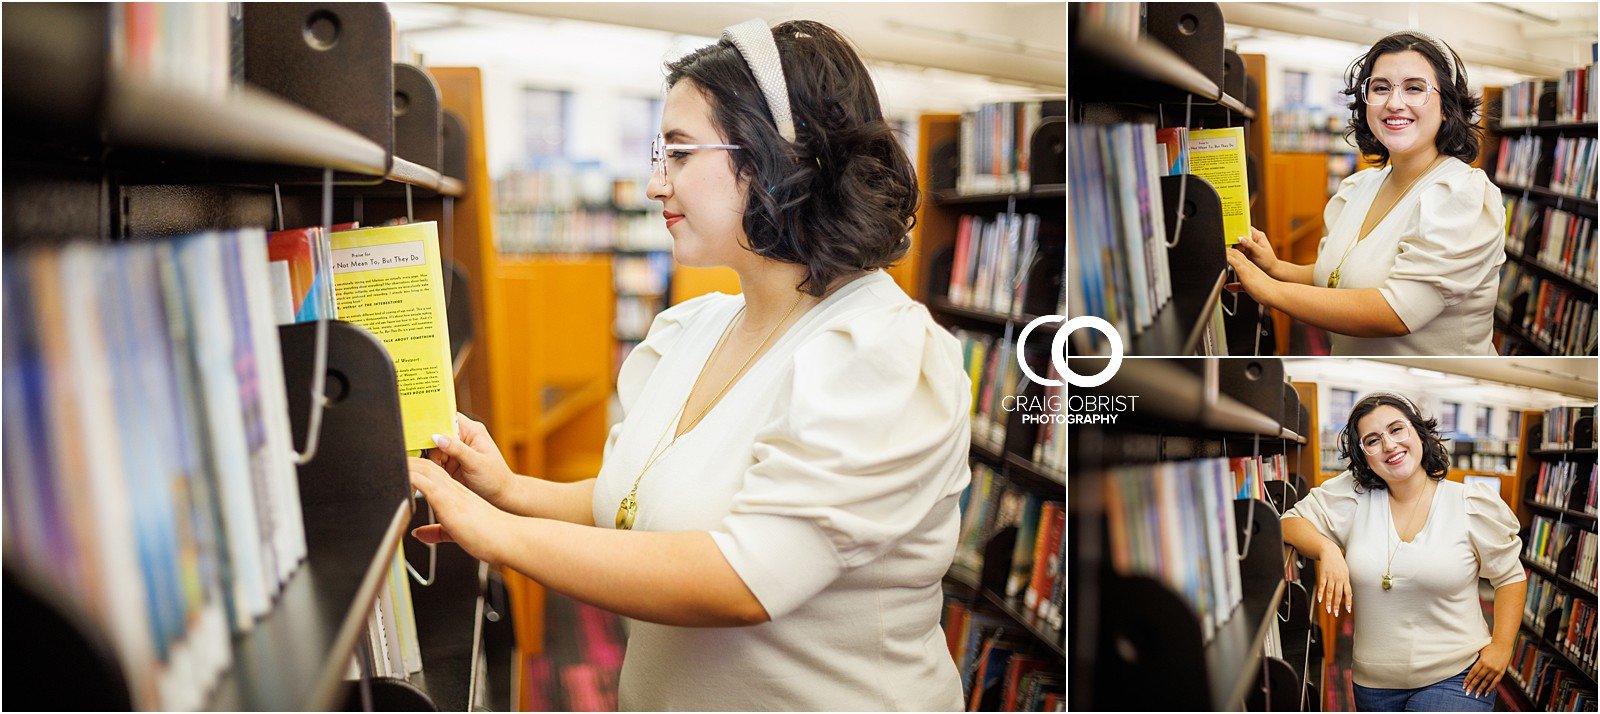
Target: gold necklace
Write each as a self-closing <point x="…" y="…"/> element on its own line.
<point x="1333" y="277"/>
<point x="628" y="510"/>
<point x="1388" y="580"/>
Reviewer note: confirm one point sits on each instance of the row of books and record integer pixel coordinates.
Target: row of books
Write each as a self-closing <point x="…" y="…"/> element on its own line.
<point x="1559" y="482"/>
<point x="642" y="273"/>
<point x="1309" y="130"/>
<point x="1583" y="562"/>
<point x="1050" y="441"/>
<point x="578" y="230"/>
<point x="1120" y="20"/>
<point x="1559" y="317"/>
<point x="1118" y="226"/>
<point x="1497" y="463"/>
<point x="1518" y="161"/>
<point x="992" y="368"/>
<point x="1575" y="98"/>
<point x="1174" y="522"/>
<point x="1550" y="686"/>
<point x="997" y="671"/>
<point x="151" y="471"/>
<point x="1547" y="538"/>
<point x="1520" y="102"/>
<point x="993" y="262"/>
<point x="634" y="315"/>
<point x="1561" y="427"/>
<point x="1564" y="241"/>
<point x="1035" y="579"/>
<point x="567" y="187"/>
<point x="182" y="46"/>
<point x="1251" y="474"/>
<point x="1572" y="172"/>
<point x="392" y="628"/>
<point x="996" y="141"/>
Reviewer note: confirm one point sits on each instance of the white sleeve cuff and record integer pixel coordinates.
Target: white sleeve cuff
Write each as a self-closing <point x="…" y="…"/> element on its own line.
<point x="783" y="560"/>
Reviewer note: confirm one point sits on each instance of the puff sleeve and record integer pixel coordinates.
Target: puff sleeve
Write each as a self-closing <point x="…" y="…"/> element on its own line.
<point x="1459" y="244"/>
<point x="1335" y="207"/>
<point x="872" y="440"/>
<point x="1492" y="528"/>
<point x="1330" y="508"/>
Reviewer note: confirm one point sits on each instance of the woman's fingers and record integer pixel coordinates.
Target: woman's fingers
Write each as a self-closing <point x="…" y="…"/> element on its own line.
<point x="433" y="533"/>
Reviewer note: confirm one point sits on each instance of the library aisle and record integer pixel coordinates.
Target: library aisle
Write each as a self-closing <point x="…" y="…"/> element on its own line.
<point x="1254" y="117"/>
<point x="258" y="256"/>
<point x="1188" y="592"/>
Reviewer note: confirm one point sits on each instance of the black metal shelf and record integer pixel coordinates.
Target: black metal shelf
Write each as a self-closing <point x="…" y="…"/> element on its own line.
<point x="1153" y="61"/>
<point x="1179" y="326"/>
<point x="1019" y="614"/>
<point x="1543" y="192"/>
<point x="985" y="319"/>
<point x="1530" y="261"/>
<point x="948" y="197"/>
<point x="1589" y="451"/>
<point x="1557" y="577"/>
<point x="1036" y="470"/>
<point x="1548" y="126"/>
<point x="1521" y="335"/>
<point x="1561" y="653"/>
<point x="448" y="616"/>
<point x="1557" y="510"/>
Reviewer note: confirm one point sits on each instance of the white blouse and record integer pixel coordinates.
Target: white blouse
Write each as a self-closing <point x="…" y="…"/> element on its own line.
<point x="1429" y="627"/>
<point x="1435" y="258"/>
<point x="829" y="475"/>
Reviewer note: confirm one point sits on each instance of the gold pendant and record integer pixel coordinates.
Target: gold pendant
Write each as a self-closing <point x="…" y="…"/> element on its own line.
<point x="1388" y="582"/>
<point x="626" y="513"/>
<point x="1333" y="278"/>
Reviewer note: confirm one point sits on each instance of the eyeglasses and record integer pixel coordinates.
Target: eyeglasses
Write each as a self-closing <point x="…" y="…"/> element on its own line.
<point x="1398" y="433"/>
<point x="1414" y="92"/>
<point x="660" y="153"/>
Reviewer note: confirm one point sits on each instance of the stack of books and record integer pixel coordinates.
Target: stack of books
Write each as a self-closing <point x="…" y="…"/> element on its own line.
<point x="1572" y="173"/>
<point x="1118" y="226"/>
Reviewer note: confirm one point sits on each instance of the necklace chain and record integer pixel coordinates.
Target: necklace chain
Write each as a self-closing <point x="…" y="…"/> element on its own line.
<point x="1333" y="277"/>
<point x="628" y="510"/>
<point x="1388" y="579"/>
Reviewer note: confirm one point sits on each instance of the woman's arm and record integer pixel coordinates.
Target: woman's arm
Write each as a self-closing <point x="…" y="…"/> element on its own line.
<point x="675" y="578"/>
<point x="1333" y="574"/>
<point x="538" y="498"/>
<point x="1359" y="313"/>
<point x="476" y="462"/>
<point x="1495" y="656"/>
<point x="1258" y="249"/>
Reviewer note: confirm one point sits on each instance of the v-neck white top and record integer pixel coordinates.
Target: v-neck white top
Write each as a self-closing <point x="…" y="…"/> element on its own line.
<point x="1435" y="258"/>
<point x="1429" y="627"/>
<point x="829" y="476"/>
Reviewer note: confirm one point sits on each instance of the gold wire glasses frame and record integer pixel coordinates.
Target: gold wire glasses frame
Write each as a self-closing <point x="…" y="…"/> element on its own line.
<point x="1398" y="432"/>
<point x="1414" y="92"/>
<point x="659" y="152"/>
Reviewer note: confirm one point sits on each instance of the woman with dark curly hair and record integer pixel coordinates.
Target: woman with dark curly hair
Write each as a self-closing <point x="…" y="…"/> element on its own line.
<point x="777" y="508"/>
<point x="1415" y="246"/>
<point x="1413" y="547"/>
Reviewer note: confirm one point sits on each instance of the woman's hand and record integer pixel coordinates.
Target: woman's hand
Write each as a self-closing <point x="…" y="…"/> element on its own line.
<point x="1251" y="278"/>
<point x="1491" y="666"/>
<point x="473" y="459"/>
<point x="1258" y="250"/>
<point x="464" y="517"/>
<point x="1333" y="580"/>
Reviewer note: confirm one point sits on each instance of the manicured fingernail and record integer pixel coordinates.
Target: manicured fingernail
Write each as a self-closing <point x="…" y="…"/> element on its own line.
<point x="442" y="440"/>
<point x="1347" y="607"/>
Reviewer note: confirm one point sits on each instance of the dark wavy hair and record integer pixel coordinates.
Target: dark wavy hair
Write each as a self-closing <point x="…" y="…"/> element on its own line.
<point x="1458" y="136"/>
<point x="1435" y="459"/>
<point x="841" y="198"/>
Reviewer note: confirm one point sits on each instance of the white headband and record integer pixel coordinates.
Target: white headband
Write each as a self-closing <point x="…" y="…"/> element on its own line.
<point x="1444" y="49"/>
<point x="754" y="42"/>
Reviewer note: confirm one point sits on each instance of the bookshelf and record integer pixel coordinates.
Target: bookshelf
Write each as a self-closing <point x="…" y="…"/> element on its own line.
<point x="99" y="152"/>
<point x="1171" y="70"/>
<point x="1517" y="318"/>
<point x="1139" y="642"/>
<point x="1560" y="573"/>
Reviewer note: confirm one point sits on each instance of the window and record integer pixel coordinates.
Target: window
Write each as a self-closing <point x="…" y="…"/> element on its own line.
<point x="544" y="123"/>
<point x="1294" y="88"/>
<point x="640" y="119"/>
<point x="1449" y="417"/>
<point x="1485" y="421"/>
<point x="1343" y="401"/>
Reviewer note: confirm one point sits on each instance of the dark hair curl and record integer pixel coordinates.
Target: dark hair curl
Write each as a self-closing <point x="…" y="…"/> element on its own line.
<point x="839" y="199"/>
<point x="1435" y="458"/>
<point x="1458" y="135"/>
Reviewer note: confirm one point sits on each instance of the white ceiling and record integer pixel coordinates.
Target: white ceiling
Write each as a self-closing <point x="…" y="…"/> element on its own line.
<point x="1014" y="42"/>
<point x="1517" y="382"/>
<point x="1529" y="39"/>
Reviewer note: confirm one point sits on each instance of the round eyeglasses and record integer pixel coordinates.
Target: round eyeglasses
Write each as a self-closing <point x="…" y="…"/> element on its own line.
<point x="1398" y="432"/>
<point x="662" y="154"/>
<point x="1414" y="92"/>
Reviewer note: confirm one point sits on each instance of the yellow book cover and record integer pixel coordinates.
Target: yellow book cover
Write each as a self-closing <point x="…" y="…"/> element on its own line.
<point x="390" y="281"/>
<point x="1217" y="155"/>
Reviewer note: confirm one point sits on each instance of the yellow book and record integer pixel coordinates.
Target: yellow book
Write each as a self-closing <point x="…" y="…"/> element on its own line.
<point x="391" y="282"/>
<point x="1217" y="155"/>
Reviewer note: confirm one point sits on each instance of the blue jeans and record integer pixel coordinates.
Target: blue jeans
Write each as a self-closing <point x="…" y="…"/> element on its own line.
<point x="1449" y="695"/>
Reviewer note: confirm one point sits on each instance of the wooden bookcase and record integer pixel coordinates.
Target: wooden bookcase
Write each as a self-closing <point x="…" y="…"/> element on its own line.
<point x="95" y="154"/>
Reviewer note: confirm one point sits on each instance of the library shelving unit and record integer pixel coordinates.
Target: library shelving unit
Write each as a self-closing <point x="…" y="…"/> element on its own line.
<point x="1176" y="68"/>
<point x="1513" y="338"/>
<point x="1533" y="455"/>
<point x="317" y="111"/>
<point x="1136" y="642"/>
